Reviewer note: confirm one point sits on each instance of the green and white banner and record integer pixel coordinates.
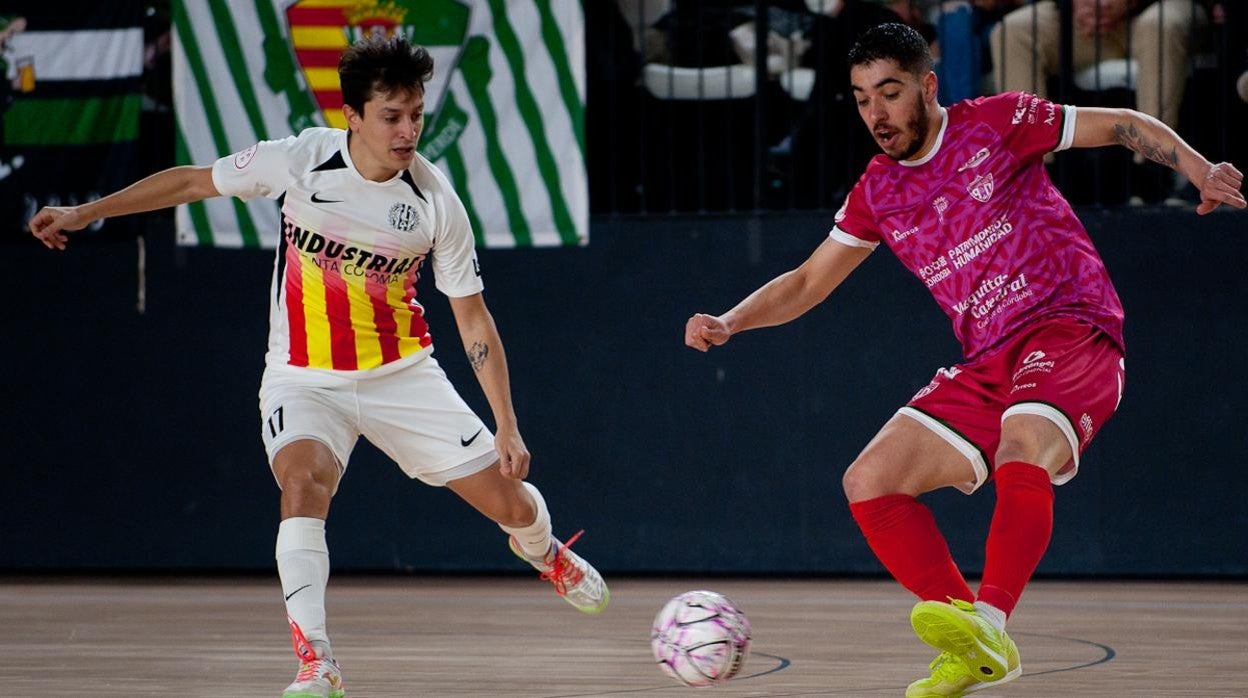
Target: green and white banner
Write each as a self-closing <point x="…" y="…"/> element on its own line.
<point x="70" y="97"/>
<point x="504" y="112"/>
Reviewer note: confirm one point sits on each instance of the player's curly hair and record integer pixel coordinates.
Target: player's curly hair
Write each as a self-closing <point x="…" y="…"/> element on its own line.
<point x="895" y="42"/>
<point x="382" y="64"/>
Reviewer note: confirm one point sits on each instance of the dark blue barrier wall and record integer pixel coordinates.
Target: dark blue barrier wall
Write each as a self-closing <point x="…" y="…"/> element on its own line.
<point x="132" y="442"/>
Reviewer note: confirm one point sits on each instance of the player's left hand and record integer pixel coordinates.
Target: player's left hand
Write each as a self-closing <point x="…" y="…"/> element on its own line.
<point x="513" y="456"/>
<point x="1221" y="185"/>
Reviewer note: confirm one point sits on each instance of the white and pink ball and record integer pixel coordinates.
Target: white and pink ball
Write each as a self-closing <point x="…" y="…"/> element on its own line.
<point x="700" y="638"/>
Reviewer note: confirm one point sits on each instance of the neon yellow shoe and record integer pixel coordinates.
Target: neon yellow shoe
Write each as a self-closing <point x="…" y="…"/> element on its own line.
<point x="974" y="654"/>
<point x="575" y="580"/>
<point x="950" y="677"/>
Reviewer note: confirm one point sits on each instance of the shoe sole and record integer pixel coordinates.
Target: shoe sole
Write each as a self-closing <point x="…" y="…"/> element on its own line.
<point x="943" y="627"/>
<point x="1017" y="672"/>
<point x="333" y="694"/>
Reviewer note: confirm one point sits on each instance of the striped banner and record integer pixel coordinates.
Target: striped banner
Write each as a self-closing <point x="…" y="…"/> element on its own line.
<point x="504" y="112"/>
<point x="69" y="95"/>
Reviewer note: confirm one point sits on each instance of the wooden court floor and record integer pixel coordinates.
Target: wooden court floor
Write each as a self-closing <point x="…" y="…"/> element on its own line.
<point x="450" y="636"/>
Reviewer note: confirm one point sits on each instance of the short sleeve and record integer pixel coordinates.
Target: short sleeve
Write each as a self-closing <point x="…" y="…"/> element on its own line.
<point x="457" y="273"/>
<point x="1030" y="126"/>
<point x="261" y="170"/>
<point x="855" y="225"/>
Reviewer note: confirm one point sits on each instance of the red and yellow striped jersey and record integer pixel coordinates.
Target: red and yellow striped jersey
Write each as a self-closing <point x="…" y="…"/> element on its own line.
<point x="351" y="251"/>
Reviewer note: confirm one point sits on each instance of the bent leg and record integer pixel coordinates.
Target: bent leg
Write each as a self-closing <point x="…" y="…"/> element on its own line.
<point x="520" y="510"/>
<point x="1032" y="449"/>
<point x="904" y="460"/>
<point x="308" y="472"/>
<point x="516" y="506"/>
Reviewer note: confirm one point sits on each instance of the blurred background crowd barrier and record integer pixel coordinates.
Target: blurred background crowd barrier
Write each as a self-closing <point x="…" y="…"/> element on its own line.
<point x="716" y="105"/>
<point x="690" y="105"/>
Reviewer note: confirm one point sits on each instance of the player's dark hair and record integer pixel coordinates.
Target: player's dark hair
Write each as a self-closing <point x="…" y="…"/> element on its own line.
<point x="896" y="42"/>
<point x="379" y="64"/>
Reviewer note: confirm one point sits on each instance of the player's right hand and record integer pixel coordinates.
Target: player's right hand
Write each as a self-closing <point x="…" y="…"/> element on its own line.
<point x="702" y="331"/>
<point x="50" y="223"/>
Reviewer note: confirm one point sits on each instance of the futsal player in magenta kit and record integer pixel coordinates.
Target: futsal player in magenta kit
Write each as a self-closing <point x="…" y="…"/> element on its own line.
<point x="962" y="198"/>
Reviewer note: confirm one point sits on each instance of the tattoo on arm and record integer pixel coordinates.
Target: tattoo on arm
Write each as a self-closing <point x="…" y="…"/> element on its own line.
<point x="477" y="355"/>
<point x="1130" y="136"/>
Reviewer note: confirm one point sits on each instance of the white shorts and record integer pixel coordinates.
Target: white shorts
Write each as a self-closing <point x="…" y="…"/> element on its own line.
<point x="412" y="414"/>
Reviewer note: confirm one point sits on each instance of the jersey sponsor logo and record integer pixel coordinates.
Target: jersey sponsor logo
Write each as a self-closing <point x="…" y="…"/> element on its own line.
<point x="981" y="188"/>
<point x="476" y="266"/>
<point x="403" y="217"/>
<point x="243" y="158"/>
<point x="975" y="160"/>
<point x="317" y="200"/>
<point x="350" y="260"/>
<point x="840" y="213"/>
<point x="1085" y="423"/>
<point x="942" y="374"/>
<point x="980" y="242"/>
<point x="935" y="272"/>
<point x="993" y="296"/>
<point x="899" y="235"/>
<point x="1025" y="109"/>
<point x="1035" y="362"/>
<point x="941" y="204"/>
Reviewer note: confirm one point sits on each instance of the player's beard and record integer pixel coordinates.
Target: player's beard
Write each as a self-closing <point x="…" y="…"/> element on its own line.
<point x="916" y="125"/>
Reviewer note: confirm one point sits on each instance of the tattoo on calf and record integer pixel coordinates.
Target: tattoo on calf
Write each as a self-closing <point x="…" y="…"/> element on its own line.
<point x="477" y="354"/>
<point x="1129" y="136"/>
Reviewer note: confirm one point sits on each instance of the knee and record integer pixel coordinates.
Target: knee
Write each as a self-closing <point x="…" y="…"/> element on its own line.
<point x="517" y="515"/>
<point x="317" y="483"/>
<point x="863" y="480"/>
<point x="516" y="511"/>
<point x="1022" y="446"/>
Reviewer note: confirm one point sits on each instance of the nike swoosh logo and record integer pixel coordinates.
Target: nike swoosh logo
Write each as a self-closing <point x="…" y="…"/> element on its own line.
<point x="468" y="442"/>
<point x="296" y="591"/>
<point x="317" y="200"/>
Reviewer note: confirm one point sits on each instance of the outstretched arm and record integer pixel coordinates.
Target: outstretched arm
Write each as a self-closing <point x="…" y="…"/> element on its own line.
<point x="1218" y="183"/>
<point x="176" y="185"/>
<point x="485" y="352"/>
<point x="782" y="299"/>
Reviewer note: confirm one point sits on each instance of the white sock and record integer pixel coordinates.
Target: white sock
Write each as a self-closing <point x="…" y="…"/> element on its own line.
<point x="303" y="566"/>
<point x="534" y="539"/>
<point x="992" y="614"/>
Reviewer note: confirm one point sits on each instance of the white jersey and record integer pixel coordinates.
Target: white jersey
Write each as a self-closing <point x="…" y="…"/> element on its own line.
<point x="344" y="280"/>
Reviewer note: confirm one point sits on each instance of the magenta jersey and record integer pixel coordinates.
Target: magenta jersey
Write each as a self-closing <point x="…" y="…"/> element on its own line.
<point x="981" y="225"/>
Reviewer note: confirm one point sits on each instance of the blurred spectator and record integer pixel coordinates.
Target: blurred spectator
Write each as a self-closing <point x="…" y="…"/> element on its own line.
<point x="1158" y="34"/>
<point x="963" y="59"/>
<point x="1232" y="18"/>
<point x="827" y="147"/>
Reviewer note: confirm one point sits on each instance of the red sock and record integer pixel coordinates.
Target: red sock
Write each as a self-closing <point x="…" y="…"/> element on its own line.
<point x="903" y="535"/>
<point x="1022" y="523"/>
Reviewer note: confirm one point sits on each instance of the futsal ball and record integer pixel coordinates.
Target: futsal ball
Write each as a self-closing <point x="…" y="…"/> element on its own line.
<point x="700" y="638"/>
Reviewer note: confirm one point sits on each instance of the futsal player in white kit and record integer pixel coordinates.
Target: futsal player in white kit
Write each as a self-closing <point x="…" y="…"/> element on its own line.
<point x="349" y="352"/>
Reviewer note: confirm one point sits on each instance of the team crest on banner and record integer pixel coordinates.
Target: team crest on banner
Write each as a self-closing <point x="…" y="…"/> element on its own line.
<point x="321" y="30"/>
<point x="504" y="111"/>
<point x="981" y="188"/>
